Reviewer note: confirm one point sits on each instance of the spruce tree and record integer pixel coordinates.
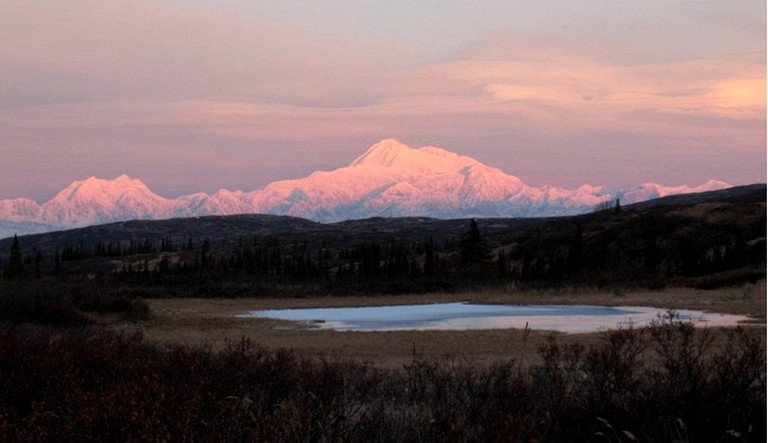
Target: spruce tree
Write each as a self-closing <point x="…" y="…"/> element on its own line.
<point x="14" y="268"/>
<point x="430" y="259"/>
<point x="473" y="247"/>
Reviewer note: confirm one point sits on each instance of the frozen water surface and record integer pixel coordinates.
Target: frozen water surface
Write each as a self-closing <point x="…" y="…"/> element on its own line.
<point x="462" y="316"/>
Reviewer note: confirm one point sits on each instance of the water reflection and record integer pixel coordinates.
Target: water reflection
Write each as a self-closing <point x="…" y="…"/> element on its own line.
<point x="462" y="316"/>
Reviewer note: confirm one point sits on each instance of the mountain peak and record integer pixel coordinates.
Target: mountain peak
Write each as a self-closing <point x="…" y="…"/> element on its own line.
<point x="648" y="190"/>
<point x="384" y="153"/>
<point x="95" y="188"/>
<point x="389" y="179"/>
<point x="125" y="178"/>
<point x="400" y="158"/>
<point x="713" y="185"/>
<point x="97" y="200"/>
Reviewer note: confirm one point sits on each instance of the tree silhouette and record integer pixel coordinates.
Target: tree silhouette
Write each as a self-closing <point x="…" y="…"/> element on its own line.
<point x="14" y="267"/>
<point x="576" y="251"/>
<point x="473" y="248"/>
<point x="430" y="259"/>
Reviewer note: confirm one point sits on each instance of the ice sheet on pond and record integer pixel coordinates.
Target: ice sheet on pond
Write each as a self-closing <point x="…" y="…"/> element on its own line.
<point x="463" y="316"/>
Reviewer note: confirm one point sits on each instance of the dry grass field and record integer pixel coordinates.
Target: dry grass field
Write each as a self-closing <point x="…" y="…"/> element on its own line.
<point x="213" y="322"/>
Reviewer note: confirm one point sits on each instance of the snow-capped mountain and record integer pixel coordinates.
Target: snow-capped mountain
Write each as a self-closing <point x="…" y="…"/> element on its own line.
<point x="649" y="191"/>
<point x="389" y="179"/>
<point x="94" y="201"/>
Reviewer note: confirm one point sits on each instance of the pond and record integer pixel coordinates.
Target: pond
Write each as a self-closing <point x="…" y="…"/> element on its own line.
<point x="463" y="316"/>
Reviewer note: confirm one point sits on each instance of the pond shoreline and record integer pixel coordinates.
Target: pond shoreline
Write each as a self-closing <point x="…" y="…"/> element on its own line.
<point x="461" y="316"/>
<point x="211" y="322"/>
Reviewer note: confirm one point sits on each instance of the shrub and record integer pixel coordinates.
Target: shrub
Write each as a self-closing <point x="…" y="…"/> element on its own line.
<point x="656" y="384"/>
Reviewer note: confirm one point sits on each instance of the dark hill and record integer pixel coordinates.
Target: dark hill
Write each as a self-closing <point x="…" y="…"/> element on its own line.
<point x="711" y="238"/>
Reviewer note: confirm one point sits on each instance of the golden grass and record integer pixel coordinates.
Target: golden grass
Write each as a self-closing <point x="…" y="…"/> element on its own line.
<point x="212" y="322"/>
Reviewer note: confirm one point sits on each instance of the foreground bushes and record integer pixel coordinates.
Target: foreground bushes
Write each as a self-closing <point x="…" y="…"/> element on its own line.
<point x="63" y="305"/>
<point x="663" y="383"/>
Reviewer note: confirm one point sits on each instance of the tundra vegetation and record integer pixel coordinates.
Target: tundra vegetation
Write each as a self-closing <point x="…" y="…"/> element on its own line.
<point x="69" y="373"/>
<point x="661" y="383"/>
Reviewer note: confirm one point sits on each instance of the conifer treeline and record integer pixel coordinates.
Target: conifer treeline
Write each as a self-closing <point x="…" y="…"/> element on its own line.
<point x="618" y="249"/>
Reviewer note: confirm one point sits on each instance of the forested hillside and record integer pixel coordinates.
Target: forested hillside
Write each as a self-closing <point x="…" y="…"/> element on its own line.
<point x="703" y="240"/>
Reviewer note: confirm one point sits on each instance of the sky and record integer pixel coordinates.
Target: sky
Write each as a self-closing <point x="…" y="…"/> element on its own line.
<point x="199" y="95"/>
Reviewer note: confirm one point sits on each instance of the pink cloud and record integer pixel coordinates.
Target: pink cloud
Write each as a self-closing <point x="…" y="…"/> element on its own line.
<point x="568" y="92"/>
<point x="94" y="73"/>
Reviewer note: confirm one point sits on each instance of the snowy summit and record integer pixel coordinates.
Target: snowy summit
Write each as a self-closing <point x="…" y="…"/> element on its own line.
<point x="390" y="179"/>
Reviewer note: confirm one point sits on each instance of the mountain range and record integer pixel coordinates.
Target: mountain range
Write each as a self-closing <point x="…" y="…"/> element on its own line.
<point x="390" y="179"/>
